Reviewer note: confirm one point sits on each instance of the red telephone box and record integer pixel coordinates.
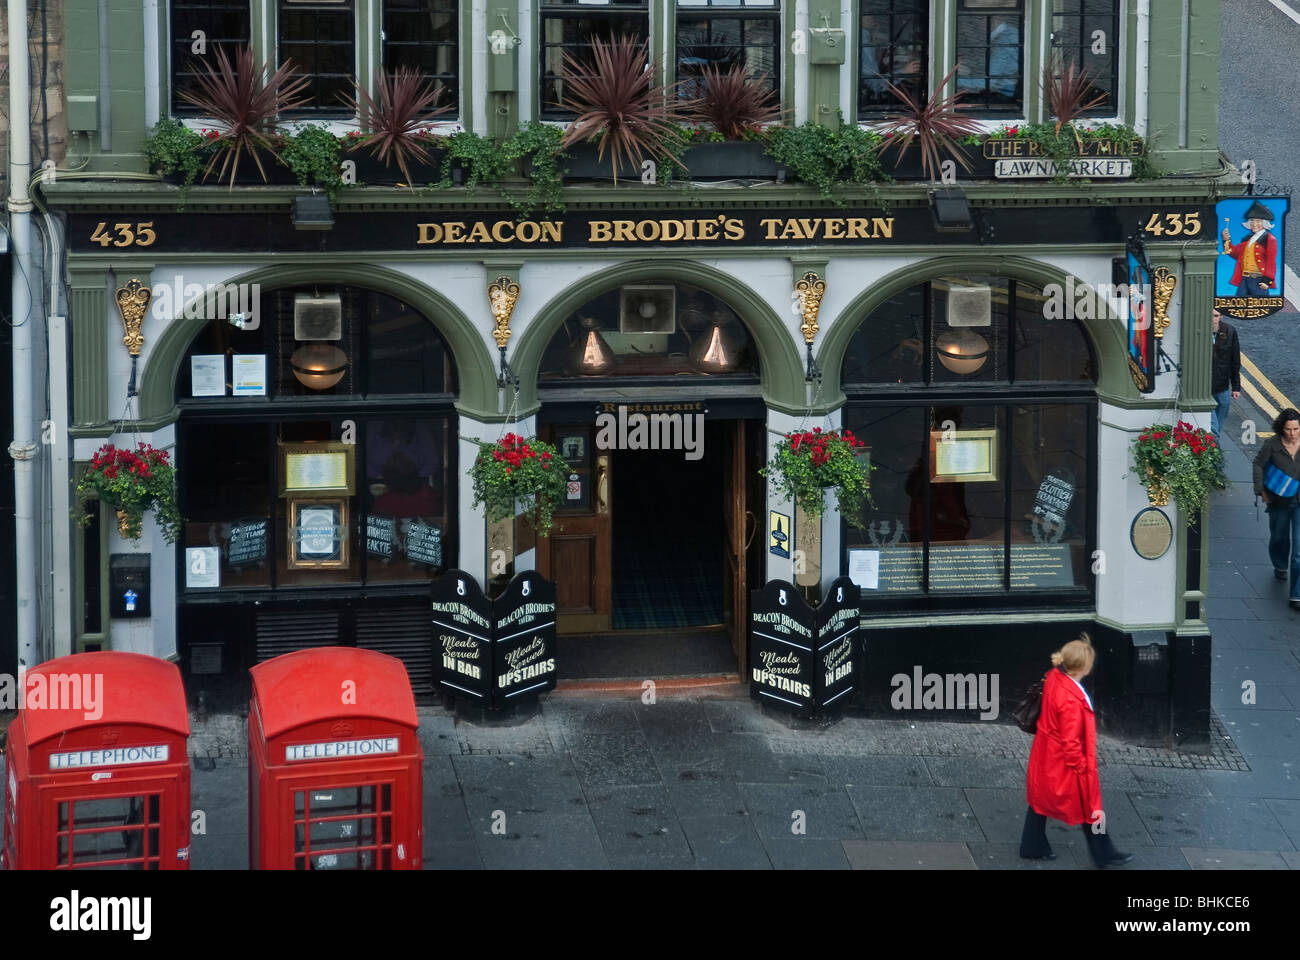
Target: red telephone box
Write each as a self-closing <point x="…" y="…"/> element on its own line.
<point x="96" y="766"/>
<point x="334" y="764"/>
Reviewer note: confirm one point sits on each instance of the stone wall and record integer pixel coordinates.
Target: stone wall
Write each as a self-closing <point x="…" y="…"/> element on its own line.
<point x="47" y="118"/>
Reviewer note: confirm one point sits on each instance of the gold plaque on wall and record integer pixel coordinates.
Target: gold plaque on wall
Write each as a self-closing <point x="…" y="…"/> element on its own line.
<point x="316" y="468"/>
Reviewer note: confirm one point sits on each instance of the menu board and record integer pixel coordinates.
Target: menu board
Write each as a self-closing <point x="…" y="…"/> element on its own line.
<point x="381" y="536"/>
<point x="1055" y="494"/>
<point x="316" y="471"/>
<point x="462" y="631"/>
<point x="247" y="544"/>
<point x="781" y="656"/>
<point x="976" y="566"/>
<point x="523" y="653"/>
<point x="835" y="675"/>
<point x="424" y="543"/>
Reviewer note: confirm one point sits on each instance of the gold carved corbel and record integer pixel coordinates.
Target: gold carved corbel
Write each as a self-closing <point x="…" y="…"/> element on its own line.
<point x="133" y="302"/>
<point x="810" y="290"/>
<point x="1163" y="283"/>
<point x="503" y="294"/>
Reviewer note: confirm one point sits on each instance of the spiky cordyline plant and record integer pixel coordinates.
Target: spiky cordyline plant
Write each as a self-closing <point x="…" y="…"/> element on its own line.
<point x="241" y="98"/>
<point x="1066" y="91"/>
<point x="731" y="103"/>
<point x="405" y="104"/>
<point x="936" y="124"/>
<point x="616" y="99"/>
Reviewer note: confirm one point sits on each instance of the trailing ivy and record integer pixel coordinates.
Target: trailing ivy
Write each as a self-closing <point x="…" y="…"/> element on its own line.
<point x="538" y="144"/>
<point x="482" y="159"/>
<point x="823" y="157"/>
<point x="313" y="155"/>
<point x="173" y="147"/>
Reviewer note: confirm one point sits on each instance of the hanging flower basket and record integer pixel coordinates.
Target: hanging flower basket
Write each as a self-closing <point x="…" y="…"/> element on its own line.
<point x="518" y="470"/>
<point x="133" y="483"/>
<point x="805" y="465"/>
<point x="1181" y="462"/>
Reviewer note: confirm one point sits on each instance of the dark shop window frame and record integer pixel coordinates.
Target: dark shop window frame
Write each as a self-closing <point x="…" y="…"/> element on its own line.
<point x="426" y="407"/>
<point x="185" y="16"/>
<point x="709" y="11"/>
<point x="920" y="10"/>
<point x="392" y="47"/>
<point x="562" y="10"/>
<point x="330" y="108"/>
<point x="1080" y="51"/>
<point x="986" y="102"/>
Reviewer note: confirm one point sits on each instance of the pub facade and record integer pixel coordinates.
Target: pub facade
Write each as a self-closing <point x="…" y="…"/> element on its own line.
<point x="323" y="365"/>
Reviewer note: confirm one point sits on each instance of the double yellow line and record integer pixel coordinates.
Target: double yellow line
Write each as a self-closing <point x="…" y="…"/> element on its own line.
<point x="1255" y="385"/>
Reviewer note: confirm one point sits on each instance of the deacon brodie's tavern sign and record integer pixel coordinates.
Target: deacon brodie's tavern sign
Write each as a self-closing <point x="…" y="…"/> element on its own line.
<point x="470" y="232"/>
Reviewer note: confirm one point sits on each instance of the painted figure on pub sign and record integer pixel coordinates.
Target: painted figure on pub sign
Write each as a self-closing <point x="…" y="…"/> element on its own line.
<point x="1248" y="278"/>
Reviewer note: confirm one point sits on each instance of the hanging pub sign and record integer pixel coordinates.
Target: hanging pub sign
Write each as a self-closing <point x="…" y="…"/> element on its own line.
<point x="781" y="657"/>
<point x="462" y="635"/>
<point x="523" y="651"/>
<point x="1141" y="338"/>
<point x="836" y="671"/>
<point x="1249" y="272"/>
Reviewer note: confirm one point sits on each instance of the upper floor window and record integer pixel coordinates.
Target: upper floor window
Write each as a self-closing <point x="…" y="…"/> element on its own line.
<point x="892" y="37"/>
<point x="424" y="35"/>
<point x="722" y="34"/>
<point x="570" y="26"/>
<point x="198" y="29"/>
<point x="320" y="37"/>
<point x="1086" y="33"/>
<point x="990" y="55"/>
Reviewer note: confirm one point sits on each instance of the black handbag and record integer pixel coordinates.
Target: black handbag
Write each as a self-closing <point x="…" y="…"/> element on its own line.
<point x="1030" y="706"/>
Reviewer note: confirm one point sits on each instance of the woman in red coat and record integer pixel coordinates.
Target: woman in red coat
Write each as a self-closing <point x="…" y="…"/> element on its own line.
<point x="1063" y="781"/>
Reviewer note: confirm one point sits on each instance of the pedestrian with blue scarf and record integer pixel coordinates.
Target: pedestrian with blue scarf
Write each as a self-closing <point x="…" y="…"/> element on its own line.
<point x="1277" y="480"/>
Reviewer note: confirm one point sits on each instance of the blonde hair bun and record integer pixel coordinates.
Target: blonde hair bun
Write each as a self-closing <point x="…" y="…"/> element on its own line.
<point x="1075" y="655"/>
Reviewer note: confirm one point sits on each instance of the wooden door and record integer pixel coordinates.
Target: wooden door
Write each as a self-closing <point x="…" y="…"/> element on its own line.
<point x="578" y="554"/>
<point x="741" y="526"/>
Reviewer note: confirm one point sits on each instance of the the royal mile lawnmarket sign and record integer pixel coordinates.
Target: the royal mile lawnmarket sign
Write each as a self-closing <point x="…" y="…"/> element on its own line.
<point x="1023" y="160"/>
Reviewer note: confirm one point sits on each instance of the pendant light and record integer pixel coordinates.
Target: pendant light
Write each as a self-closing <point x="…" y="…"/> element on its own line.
<point x="714" y="352"/>
<point x="318" y="366"/>
<point x="963" y="351"/>
<point x="590" y="355"/>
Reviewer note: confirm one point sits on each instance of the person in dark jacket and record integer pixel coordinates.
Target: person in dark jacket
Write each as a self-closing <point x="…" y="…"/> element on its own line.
<point x="1225" y="382"/>
<point x="1282" y="451"/>
<point x="1062" y="781"/>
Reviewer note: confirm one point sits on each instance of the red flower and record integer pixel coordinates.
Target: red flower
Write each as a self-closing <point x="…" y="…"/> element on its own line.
<point x="1012" y="131"/>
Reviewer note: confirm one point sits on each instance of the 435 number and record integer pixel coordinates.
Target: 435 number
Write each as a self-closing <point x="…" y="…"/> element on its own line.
<point x="1174" y="225"/>
<point x="141" y="235"/>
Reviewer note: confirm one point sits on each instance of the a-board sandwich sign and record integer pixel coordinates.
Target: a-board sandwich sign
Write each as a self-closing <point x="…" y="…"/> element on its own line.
<point x="523" y="649"/>
<point x="462" y="635"/>
<point x="836" y="671"/>
<point x="781" y="654"/>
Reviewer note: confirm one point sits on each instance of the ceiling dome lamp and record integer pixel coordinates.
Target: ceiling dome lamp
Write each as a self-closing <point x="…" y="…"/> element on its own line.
<point x="963" y="351"/>
<point x="714" y="352"/>
<point x="590" y="355"/>
<point x="318" y="366"/>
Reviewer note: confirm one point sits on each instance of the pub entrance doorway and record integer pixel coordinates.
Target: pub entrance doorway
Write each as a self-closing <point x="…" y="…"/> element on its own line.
<point x="654" y="556"/>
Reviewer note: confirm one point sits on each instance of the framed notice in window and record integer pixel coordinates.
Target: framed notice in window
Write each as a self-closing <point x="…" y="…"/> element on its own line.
<point x="964" y="456"/>
<point x="318" y="534"/>
<point x="316" y="468"/>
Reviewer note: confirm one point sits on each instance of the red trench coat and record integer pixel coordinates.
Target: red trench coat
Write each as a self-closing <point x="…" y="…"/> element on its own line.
<point x="1062" y="782"/>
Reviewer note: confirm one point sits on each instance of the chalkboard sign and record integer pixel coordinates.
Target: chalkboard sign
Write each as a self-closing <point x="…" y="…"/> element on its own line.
<point x="523" y="654"/>
<point x="781" y="656"/>
<point x="381" y="536"/>
<point x="1055" y="494"/>
<point x="424" y="543"/>
<point x="247" y="544"/>
<point x="837" y="645"/>
<point x="462" y="635"/>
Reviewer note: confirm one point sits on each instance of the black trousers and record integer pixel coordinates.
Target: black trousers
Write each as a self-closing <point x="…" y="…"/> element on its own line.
<point x="1033" y="839"/>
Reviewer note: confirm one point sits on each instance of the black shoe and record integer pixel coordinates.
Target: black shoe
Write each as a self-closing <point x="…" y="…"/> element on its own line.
<point x="1117" y="859"/>
<point x="1295" y="604"/>
<point x="1279" y="574"/>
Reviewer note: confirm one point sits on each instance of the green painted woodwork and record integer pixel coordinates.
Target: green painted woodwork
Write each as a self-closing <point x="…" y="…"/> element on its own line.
<point x="824" y="105"/>
<point x="88" y="324"/>
<point x="780" y="366"/>
<point x="1197" y="290"/>
<point x="475" y="369"/>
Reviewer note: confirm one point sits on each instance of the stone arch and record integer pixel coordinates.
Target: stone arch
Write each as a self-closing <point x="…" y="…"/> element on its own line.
<point x="1104" y="332"/>
<point x="780" y="367"/>
<point x="476" y="374"/>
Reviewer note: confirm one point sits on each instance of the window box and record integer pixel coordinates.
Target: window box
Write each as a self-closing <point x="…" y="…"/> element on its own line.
<point x="374" y="172"/>
<point x="908" y="167"/>
<point x="584" y="163"/>
<point x="732" y="160"/>
<point x="277" y="174"/>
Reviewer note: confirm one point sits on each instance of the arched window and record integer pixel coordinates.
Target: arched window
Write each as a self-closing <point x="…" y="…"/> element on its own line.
<point x="317" y="443"/>
<point x="648" y="330"/>
<point x="979" y="410"/>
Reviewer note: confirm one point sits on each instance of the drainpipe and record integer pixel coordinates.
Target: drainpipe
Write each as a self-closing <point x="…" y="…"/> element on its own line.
<point x="1141" y="72"/>
<point x="23" y="447"/>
